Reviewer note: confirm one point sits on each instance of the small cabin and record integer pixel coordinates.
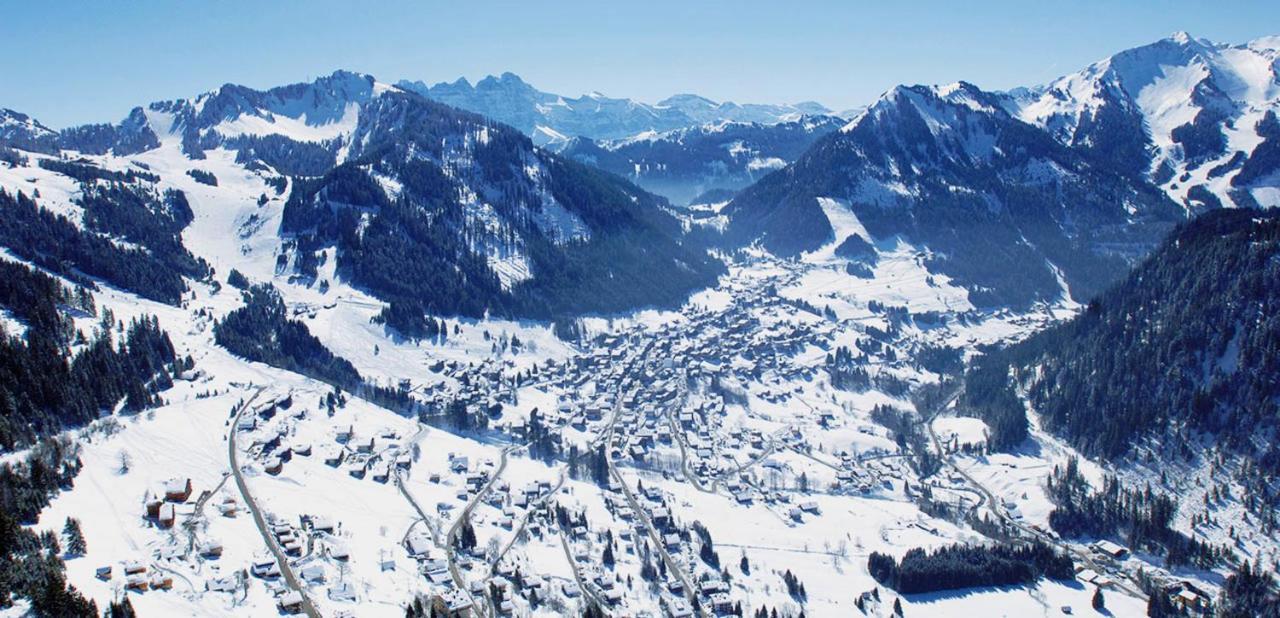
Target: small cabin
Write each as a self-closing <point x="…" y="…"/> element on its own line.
<point x="167" y="515"/>
<point x="177" y="490"/>
<point x="290" y="602"/>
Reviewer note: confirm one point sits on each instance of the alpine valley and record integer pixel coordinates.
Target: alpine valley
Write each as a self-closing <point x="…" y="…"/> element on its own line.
<point x="353" y="347"/>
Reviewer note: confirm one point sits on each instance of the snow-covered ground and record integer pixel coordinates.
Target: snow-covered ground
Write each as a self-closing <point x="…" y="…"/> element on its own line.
<point x="723" y="410"/>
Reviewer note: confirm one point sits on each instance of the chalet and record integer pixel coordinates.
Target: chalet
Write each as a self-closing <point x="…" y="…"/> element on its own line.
<point x="266" y="569"/>
<point x="312" y="574"/>
<point x="321" y="524"/>
<point x="211" y="549"/>
<point x="303" y="449"/>
<point x="1111" y="549"/>
<point x="334" y="457"/>
<point x="166" y="516"/>
<point x="678" y="608"/>
<point x="721" y="603"/>
<point x="103" y="572"/>
<point x="177" y="490"/>
<point x="419" y="546"/>
<point x="338" y="551"/>
<point x="343" y="591"/>
<point x="811" y="507"/>
<point x="161" y="581"/>
<point x="273" y="466"/>
<point x="453" y="604"/>
<point x="437" y="572"/>
<point x="1189" y="601"/>
<point x="221" y="584"/>
<point x="134" y="568"/>
<point x="671" y="541"/>
<point x="290" y="602"/>
<point x="136" y="582"/>
<point x="152" y="504"/>
<point x="344" y="435"/>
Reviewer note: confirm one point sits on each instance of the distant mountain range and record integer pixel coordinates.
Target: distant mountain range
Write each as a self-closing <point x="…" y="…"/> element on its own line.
<point x="550" y="118"/>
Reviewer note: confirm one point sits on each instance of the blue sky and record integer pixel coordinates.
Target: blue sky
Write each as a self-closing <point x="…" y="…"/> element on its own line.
<point x="75" y="62"/>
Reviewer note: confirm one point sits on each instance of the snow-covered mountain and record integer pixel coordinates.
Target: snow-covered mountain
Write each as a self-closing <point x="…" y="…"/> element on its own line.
<point x="549" y="118"/>
<point x="18" y="130"/>
<point x="989" y="200"/>
<point x="684" y="163"/>
<point x="1196" y="118"/>
<point x="422" y="204"/>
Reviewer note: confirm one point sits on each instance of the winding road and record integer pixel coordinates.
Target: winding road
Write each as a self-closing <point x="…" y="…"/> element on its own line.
<point x="286" y="570"/>
<point x="997" y="507"/>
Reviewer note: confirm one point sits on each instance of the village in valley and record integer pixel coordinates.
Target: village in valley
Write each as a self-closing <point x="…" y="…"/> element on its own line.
<point x="748" y="451"/>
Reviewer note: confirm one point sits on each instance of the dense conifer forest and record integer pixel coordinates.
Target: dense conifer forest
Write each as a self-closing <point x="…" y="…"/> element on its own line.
<point x="1141" y="517"/>
<point x="31" y="565"/>
<point x="54" y="376"/>
<point x="262" y="331"/>
<point x="419" y="248"/>
<point x="967" y="566"/>
<point x="153" y="270"/>
<point x="1189" y="342"/>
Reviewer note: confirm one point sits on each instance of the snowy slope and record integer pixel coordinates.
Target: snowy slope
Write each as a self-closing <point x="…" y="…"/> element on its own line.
<point x="1184" y="112"/>
<point x="953" y="173"/>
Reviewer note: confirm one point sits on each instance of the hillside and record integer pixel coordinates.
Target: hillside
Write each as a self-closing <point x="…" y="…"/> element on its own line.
<point x="988" y="200"/>
<point x="427" y="206"/>
<point x="1192" y="116"/>
<point x="1179" y="358"/>
<point x="685" y="163"/>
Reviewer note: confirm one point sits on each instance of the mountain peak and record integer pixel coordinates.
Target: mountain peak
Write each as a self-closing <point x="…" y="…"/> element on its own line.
<point x="684" y="98"/>
<point x="505" y="81"/>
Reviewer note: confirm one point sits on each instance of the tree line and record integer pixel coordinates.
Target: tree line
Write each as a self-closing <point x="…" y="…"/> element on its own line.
<point x="954" y="567"/>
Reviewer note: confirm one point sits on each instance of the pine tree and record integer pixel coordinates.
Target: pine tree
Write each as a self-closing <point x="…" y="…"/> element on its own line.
<point x="607" y="556"/>
<point x="75" y="537"/>
<point x="121" y="609"/>
<point x="1098" y="602"/>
